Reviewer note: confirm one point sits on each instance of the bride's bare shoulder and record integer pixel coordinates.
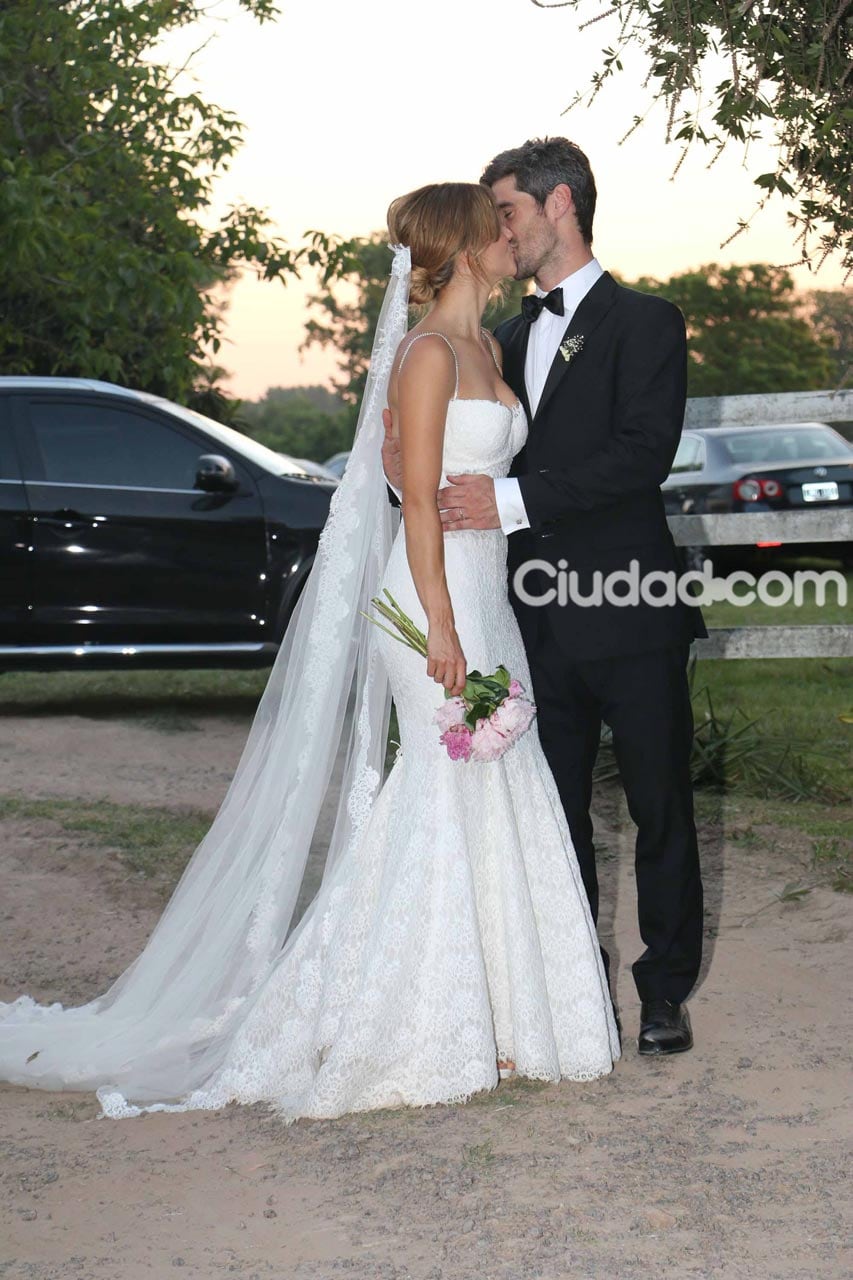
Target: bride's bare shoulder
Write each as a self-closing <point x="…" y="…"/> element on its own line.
<point x="423" y="359"/>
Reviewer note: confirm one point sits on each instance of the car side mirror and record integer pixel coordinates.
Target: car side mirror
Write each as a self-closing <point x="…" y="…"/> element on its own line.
<point x="215" y="474"/>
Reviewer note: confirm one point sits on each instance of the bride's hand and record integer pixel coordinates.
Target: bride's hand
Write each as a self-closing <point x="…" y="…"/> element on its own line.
<point x="445" y="659"/>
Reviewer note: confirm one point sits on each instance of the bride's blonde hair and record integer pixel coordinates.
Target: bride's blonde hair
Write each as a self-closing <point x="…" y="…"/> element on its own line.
<point x="438" y="222"/>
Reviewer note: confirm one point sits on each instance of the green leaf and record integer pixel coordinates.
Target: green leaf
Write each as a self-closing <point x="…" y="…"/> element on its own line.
<point x="480" y="711"/>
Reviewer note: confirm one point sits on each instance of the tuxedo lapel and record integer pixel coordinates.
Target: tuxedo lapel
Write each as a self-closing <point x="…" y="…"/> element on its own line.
<point x="589" y="313"/>
<point x="514" y="357"/>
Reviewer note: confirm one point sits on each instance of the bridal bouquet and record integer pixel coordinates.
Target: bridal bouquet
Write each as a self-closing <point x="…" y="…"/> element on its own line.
<point x="487" y="717"/>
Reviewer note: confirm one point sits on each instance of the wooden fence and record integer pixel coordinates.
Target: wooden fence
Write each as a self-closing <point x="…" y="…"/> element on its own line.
<point x="817" y="640"/>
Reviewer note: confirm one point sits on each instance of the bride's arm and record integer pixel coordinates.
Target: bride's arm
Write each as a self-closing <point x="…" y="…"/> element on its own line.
<point x="424" y="388"/>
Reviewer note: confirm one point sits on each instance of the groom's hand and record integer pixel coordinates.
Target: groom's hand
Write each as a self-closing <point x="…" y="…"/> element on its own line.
<point x="468" y="502"/>
<point x="391" y="464"/>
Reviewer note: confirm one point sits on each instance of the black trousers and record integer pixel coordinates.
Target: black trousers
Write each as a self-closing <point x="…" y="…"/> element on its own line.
<point x="645" y="699"/>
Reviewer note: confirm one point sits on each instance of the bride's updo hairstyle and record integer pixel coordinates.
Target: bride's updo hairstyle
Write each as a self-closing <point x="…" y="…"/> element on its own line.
<point x="438" y="222"/>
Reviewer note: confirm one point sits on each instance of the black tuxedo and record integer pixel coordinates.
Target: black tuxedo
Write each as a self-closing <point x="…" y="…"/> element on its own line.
<point x="600" y="444"/>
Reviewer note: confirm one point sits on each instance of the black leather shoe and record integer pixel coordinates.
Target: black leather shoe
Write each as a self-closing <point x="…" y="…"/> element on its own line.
<point x="664" y="1028"/>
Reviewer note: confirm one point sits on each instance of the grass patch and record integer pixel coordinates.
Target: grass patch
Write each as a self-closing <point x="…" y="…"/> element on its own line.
<point x="733" y="750"/>
<point x="478" y="1156"/>
<point x="745" y="838"/>
<point x="823" y="849"/>
<point x="152" y="843"/>
<point x="832" y="860"/>
<point x="796" y="703"/>
<point x="739" y="812"/>
<point x="799" y="701"/>
<point x="173" y="695"/>
<point x="169" y="720"/>
<point x="767" y="731"/>
<point x="796" y="773"/>
<point x="724" y="614"/>
<point x="509" y="1093"/>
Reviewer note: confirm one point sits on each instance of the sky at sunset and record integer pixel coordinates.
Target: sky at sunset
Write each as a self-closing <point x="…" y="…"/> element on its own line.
<point x="347" y="105"/>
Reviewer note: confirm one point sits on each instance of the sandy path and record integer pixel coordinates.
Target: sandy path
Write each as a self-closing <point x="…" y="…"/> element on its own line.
<point x="727" y="1161"/>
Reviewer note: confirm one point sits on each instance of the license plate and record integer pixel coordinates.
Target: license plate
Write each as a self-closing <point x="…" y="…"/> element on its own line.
<point x="827" y="492"/>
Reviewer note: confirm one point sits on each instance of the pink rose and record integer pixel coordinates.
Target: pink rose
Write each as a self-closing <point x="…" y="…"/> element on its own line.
<point x="457" y="739"/>
<point x="515" y="689"/>
<point x="453" y="711"/>
<point x="488" y="742"/>
<point x="513" y="716"/>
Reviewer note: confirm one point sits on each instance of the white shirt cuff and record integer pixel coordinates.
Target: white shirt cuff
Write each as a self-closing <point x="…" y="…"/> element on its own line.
<point x="398" y="493"/>
<point x="510" y="504"/>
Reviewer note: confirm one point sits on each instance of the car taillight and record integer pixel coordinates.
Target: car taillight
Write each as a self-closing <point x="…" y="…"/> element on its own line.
<point x="747" y="490"/>
<point x="755" y="488"/>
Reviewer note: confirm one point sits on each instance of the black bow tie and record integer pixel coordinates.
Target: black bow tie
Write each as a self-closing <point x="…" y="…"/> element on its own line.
<point x="532" y="304"/>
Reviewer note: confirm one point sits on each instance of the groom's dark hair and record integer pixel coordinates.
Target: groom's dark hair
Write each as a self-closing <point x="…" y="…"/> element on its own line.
<point x="541" y="164"/>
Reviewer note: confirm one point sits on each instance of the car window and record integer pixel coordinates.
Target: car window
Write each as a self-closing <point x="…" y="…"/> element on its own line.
<point x="690" y="454"/>
<point x="106" y="444"/>
<point x="280" y="464"/>
<point x="338" y="463"/>
<point x="8" y="457"/>
<point x="797" y="444"/>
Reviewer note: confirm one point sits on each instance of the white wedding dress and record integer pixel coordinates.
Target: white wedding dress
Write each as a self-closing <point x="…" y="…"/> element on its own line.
<point x="457" y="931"/>
<point x="451" y="926"/>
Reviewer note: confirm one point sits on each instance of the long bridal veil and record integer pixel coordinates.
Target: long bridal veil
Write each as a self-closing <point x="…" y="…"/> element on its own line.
<point x="165" y="1024"/>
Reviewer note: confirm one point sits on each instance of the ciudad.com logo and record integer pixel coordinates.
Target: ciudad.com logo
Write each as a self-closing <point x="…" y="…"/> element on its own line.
<point x="662" y="588"/>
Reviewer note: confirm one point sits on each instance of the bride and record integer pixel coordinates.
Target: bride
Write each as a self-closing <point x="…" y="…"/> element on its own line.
<point x="450" y="942"/>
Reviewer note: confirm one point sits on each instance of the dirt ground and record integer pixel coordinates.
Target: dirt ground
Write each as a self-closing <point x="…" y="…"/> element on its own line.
<point x="727" y="1161"/>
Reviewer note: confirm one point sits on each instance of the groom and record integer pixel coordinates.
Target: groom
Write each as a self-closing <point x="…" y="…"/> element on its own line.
<point x="601" y="371"/>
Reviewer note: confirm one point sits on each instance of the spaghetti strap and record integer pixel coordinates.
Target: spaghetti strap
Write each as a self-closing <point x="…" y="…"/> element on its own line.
<point x="433" y="333"/>
<point x="485" y="333"/>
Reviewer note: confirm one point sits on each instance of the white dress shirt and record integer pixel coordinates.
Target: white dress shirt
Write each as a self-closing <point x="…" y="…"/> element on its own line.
<point x="546" y="333"/>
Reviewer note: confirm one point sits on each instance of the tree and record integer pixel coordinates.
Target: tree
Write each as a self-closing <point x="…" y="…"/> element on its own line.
<point x="745" y="331"/>
<point x="831" y="316"/>
<point x="112" y="262"/>
<point x="788" y="69"/>
<point x="348" y="316"/>
<point x="305" y="422"/>
<point x="348" y="323"/>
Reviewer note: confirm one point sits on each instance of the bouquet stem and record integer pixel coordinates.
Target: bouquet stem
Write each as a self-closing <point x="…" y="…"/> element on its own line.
<point x="484" y="720"/>
<point x="409" y="634"/>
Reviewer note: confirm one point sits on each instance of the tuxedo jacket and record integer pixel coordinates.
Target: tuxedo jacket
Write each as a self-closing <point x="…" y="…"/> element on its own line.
<point x="600" y="444"/>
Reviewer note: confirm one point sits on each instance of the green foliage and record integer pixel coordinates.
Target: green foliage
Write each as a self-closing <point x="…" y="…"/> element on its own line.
<point x="347" y="317"/>
<point x="748" y="329"/>
<point x="781" y="70"/>
<point x="796" y="701"/>
<point x="305" y="422"/>
<point x="732" y="751"/>
<point x="113" y="263"/>
<point x="745" y="331"/>
<point x="832" y="317"/>
<point x="508" y="305"/>
<point x="834" y="860"/>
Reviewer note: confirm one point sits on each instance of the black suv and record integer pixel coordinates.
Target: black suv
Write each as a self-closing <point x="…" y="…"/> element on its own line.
<point x="137" y="533"/>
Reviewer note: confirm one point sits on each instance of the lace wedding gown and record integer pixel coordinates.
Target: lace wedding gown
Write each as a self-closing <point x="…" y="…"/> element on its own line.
<point x="457" y="930"/>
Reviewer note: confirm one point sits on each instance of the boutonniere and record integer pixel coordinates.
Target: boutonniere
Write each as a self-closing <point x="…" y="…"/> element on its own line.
<point x="571" y="347"/>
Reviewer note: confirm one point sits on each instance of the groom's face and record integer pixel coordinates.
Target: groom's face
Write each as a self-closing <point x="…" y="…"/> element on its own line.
<point x="533" y="236"/>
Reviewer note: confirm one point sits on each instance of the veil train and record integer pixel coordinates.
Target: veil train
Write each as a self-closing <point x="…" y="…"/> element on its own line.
<point x="165" y="1024"/>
